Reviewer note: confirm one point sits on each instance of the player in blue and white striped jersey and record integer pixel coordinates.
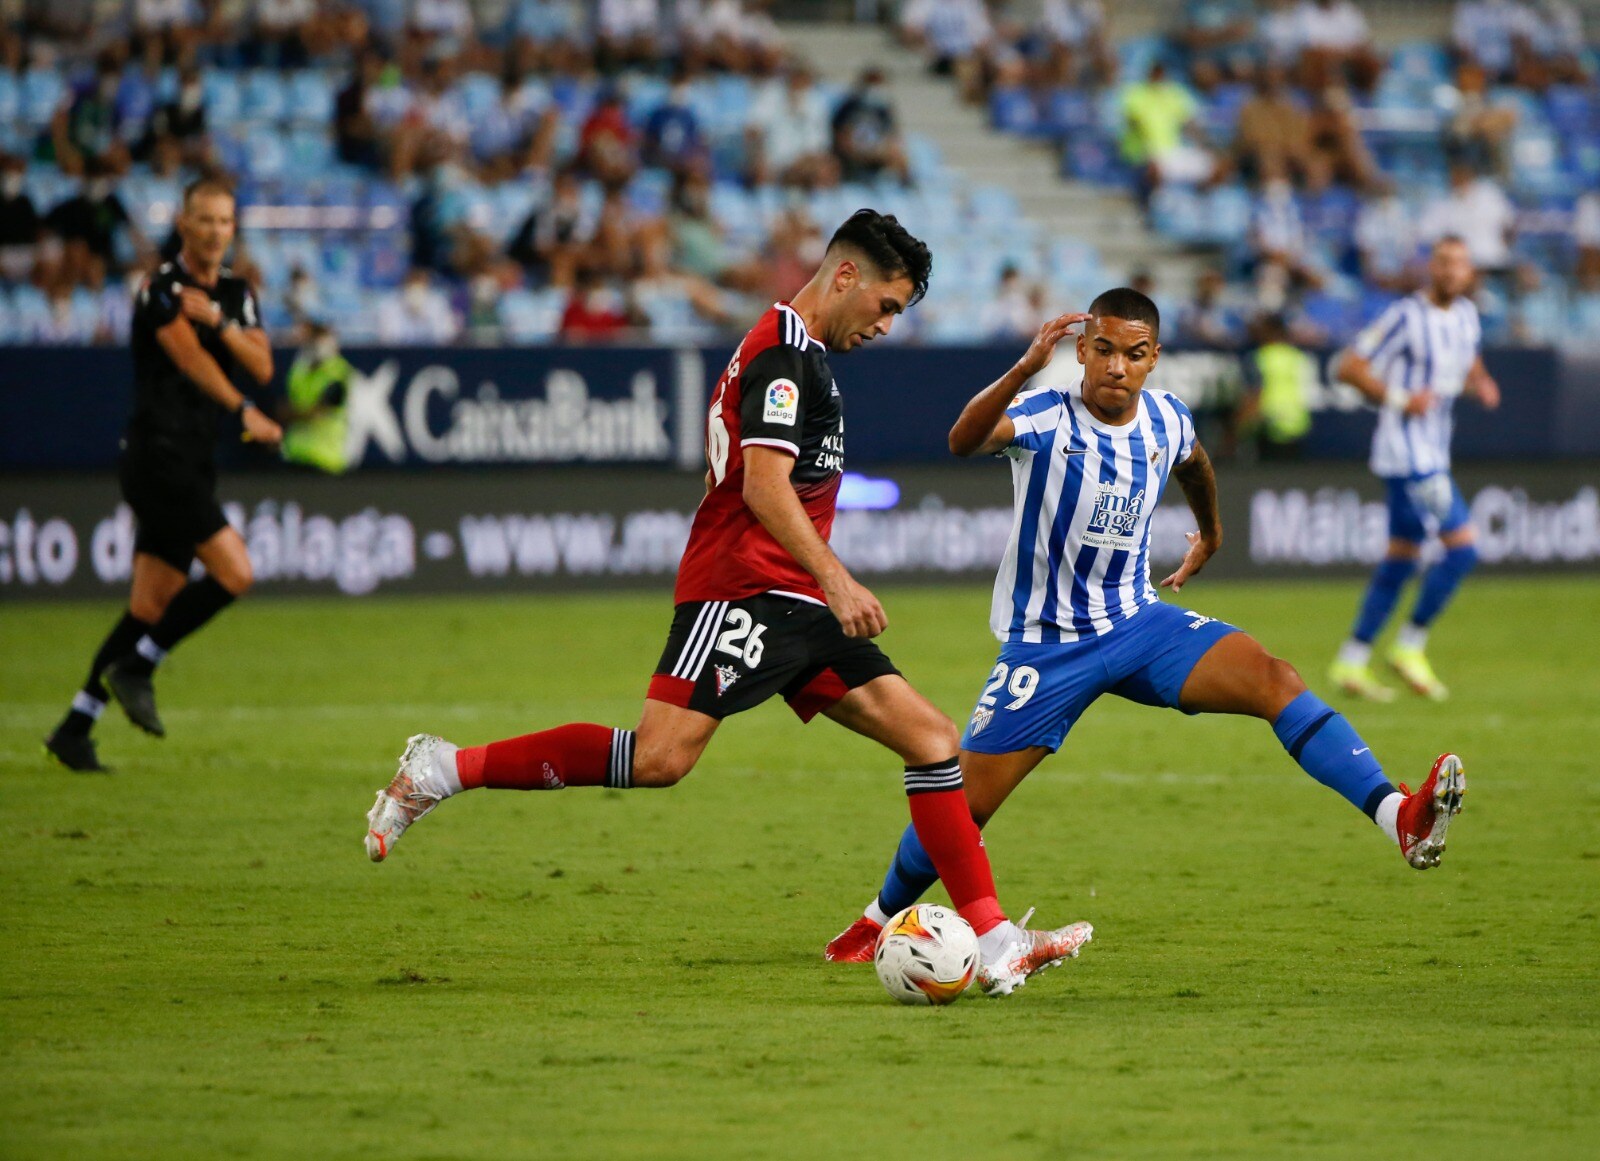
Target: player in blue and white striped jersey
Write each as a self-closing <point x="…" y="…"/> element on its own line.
<point x="1414" y="362"/>
<point x="1078" y="617"/>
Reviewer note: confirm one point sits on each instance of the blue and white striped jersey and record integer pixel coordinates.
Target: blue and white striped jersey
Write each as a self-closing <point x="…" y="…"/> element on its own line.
<point x="1078" y="558"/>
<point x="1415" y="345"/>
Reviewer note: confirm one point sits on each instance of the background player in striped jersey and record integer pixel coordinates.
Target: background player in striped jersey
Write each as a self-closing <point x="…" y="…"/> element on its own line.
<point x="1413" y="362"/>
<point x="764" y="608"/>
<point x="1078" y="617"/>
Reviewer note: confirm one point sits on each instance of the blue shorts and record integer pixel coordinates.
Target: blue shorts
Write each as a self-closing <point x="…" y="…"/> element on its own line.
<point x="1423" y="506"/>
<point x="1036" y="692"/>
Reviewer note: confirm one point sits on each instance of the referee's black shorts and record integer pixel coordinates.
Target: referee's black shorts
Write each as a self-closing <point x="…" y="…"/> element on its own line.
<point x="175" y="504"/>
<point x="725" y="657"/>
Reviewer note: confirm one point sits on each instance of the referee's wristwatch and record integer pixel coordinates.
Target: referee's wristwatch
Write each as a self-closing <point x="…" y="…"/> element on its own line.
<point x="245" y="404"/>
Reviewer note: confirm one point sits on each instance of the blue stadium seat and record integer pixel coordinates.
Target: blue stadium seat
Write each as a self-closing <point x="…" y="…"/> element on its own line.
<point x="264" y="96"/>
<point x="1069" y="111"/>
<point x="309" y="153"/>
<point x="9" y="332"/>
<point x="310" y="98"/>
<point x="223" y="97"/>
<point x="1013" y="111"/>
<point x="1421" y="62"/>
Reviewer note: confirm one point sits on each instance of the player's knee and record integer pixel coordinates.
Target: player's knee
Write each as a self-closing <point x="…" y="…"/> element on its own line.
<point x="238" y="577"/>
<point x="1283" y="684"/>
<point x="657" y="769"/>
<point x="935" y="740"/>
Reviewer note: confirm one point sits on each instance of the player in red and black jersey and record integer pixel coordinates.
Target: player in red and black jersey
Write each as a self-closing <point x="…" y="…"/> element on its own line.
<point x="765" y="608"/>
<point x="196" y="331"/>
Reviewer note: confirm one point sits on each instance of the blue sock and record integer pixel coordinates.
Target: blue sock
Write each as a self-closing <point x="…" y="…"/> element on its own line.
<point x="1383" y="594"/>
<point x="909" y="877"/>
<point x="1331" y="752"/>
<point x="1441" y="582"/>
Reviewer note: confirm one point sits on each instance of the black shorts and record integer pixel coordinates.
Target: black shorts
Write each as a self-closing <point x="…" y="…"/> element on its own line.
<point x="724" y="657"/>
<point x="175" y="504"/>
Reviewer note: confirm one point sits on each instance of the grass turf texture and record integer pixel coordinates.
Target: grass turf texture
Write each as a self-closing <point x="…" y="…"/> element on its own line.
<point x="198" y="961"/>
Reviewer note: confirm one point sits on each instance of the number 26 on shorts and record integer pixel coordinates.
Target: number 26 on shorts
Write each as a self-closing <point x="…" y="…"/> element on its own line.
<point x="741" y="627"/>
<point x="1024" y="683"/>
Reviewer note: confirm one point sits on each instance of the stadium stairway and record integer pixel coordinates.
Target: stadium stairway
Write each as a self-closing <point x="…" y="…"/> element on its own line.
<point x="929" y="106"/>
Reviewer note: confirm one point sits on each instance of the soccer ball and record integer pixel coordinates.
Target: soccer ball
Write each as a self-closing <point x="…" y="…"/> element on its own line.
<point x="926" y="955"/>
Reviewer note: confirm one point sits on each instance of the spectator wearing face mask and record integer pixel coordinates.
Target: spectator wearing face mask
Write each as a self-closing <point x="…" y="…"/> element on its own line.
<point x="93" y="223"/>
<point x="88" y="125"/>
<point x="417" y="315"/>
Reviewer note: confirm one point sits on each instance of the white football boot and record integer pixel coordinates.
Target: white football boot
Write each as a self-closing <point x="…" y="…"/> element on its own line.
<point x="412" y="793"/>
<point x="1035" y="952"/>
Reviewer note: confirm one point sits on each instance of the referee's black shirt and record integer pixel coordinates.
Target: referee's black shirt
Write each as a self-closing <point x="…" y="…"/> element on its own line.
<point x="174" y="422"/>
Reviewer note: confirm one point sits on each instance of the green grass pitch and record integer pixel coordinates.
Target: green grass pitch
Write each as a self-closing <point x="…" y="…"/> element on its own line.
<point x="196" y="959"/>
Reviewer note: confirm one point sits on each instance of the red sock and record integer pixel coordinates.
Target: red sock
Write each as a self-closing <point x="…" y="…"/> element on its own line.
<point x="946" y="830"/>
<point x="575" y="755"/>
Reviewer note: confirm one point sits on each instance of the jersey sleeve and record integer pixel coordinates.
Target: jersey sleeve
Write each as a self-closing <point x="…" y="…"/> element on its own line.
<point x="249" y="310"/>
<point x="772" y="400"/>
<point x="1033" y="414"/>
<point x="160" y="299"/>
<point x="1186" y="436"/>
<point x="1384" y="336"/>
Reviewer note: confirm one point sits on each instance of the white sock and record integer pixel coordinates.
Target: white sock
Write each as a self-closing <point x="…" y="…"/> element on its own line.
<point x="994" y="941"/>
<point x="86" y="704"/>
<point x="1354" y="652"/>
<point x="445" y="778"/>
<point x="150" y="651"/>
<point x="876" y="913"/>
<point x="1388" y="815"/>
<point x="1412" y="636"/>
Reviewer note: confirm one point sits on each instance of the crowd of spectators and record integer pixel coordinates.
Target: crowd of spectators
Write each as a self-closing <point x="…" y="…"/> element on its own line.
<point x="1278" y="132"/>
<point x="589" y="124"/>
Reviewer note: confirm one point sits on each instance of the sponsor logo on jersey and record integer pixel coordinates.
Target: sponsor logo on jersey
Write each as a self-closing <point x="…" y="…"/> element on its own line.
<point x="1114" y="519"/>
<point x="726" y="676"/>
<point x="981" y="717"/>
<point x="782" y="403"/>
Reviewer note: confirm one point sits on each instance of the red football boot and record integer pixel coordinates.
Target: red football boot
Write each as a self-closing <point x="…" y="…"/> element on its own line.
<point x="1425" y="816"/>
<point x="855" y="944"/>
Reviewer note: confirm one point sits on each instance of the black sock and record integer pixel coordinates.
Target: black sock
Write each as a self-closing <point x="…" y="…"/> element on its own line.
<point x="92" y="697"/>
<point x="196" y="603"/>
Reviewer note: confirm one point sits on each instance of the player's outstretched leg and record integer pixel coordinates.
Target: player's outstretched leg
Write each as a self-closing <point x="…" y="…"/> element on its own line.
<point x="1238" y="676"/>
<point x="659" y="753"/>
<point x="1351" y="672"/>
<point x="1408" y="656"/>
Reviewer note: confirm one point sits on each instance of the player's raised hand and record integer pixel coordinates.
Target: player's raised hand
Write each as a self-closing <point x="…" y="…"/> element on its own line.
<point x="259" y="428"/>
<point x="1193" y="561"/>
<point x="1043" y="348"/>
<point x="200" y="307"/>
<point x="858" y="611"/>
<point x="1421" y="402"/>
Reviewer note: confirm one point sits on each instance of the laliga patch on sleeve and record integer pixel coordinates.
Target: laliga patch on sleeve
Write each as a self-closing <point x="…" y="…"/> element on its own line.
<point x="782" y="404"/>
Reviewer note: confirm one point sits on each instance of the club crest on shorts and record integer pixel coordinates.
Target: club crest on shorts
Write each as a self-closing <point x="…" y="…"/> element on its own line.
<point x="782" y="404"/>
<point x="726" y="676"/>
<point x="981" y="717"/>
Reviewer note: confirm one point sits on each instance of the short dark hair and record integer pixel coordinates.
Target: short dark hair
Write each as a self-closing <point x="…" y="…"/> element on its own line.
<point x="210" y="183"/>
<point x="1127" y="303"/>
<point x="889" y="246"/>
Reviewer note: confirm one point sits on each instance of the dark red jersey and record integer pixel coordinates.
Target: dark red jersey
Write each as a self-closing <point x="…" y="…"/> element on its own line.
<point x="778" y="393"/>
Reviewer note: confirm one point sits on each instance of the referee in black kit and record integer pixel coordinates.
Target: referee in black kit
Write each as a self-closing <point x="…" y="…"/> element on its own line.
<point x="195" y="329"/>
